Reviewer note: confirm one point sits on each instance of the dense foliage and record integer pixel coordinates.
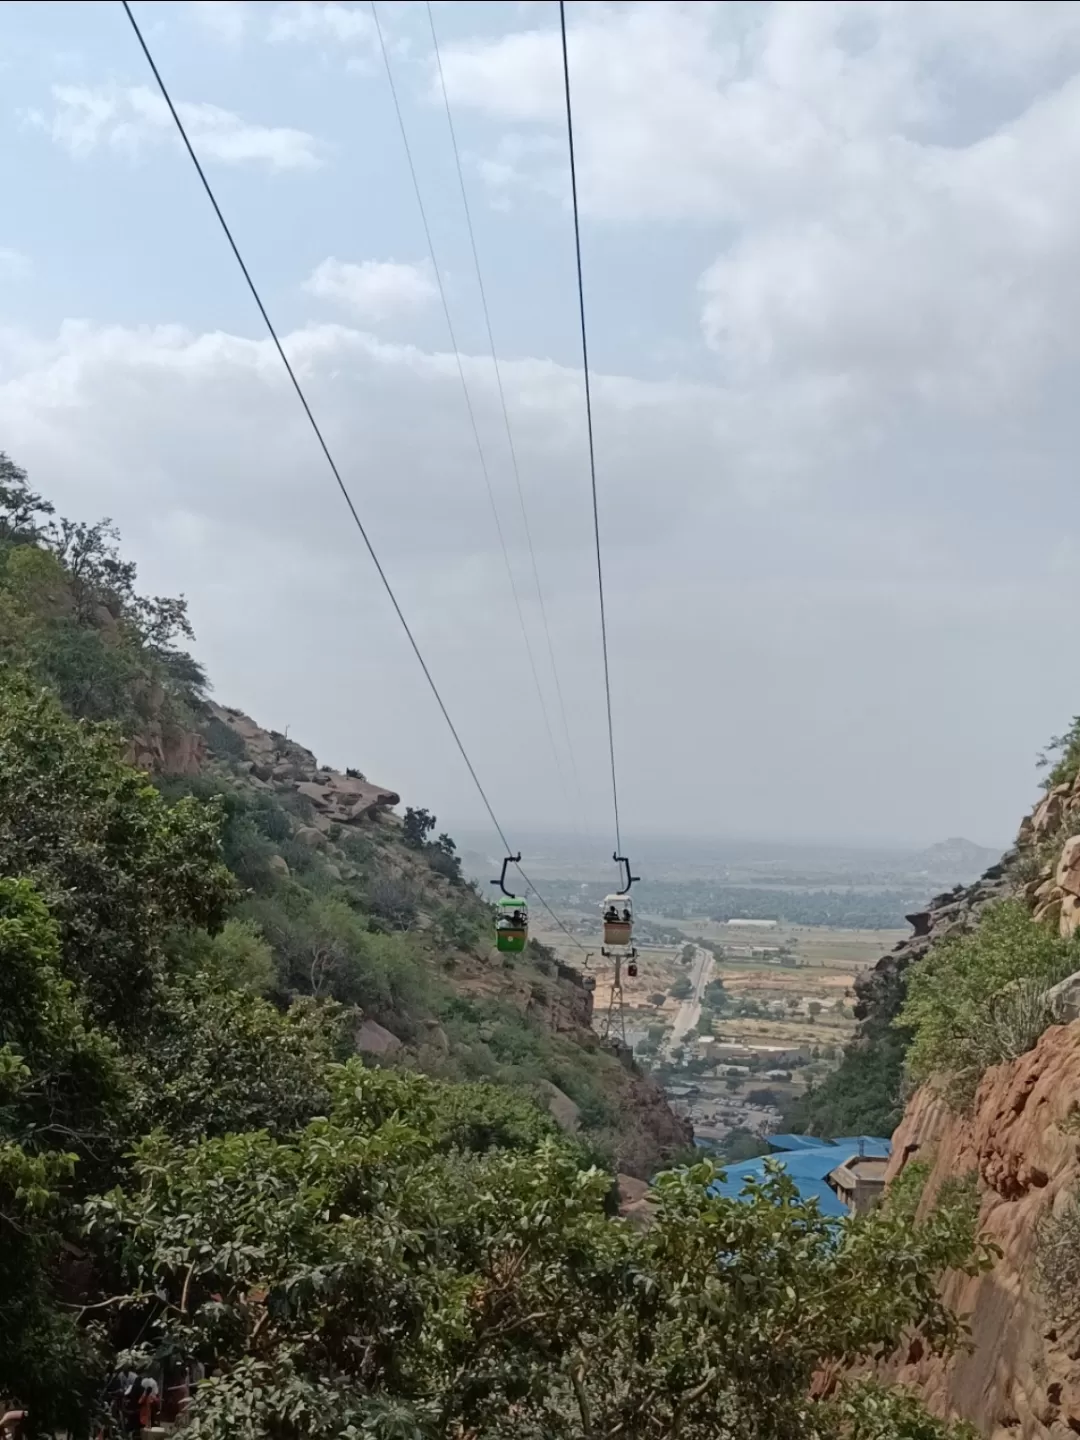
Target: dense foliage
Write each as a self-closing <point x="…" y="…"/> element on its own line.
<point x="406" y="1271"/>
<point x="977" y="999"/>
<point x="864" y="1095"/>
<point x="194" y="1164"/>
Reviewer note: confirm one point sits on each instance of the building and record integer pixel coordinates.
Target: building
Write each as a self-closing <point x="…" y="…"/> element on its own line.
<point x="860" y="1181"/>
<point x="844" y="1176"/>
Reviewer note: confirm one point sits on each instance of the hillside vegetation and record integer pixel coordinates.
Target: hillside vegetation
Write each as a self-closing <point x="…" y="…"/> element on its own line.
<point x="969" y="989"/>
<point x="196" y="1164"/>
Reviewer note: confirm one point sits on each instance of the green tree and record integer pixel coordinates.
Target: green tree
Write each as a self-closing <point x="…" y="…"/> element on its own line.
<point x="60" y="1087"/>
<point x="417" y="826"/>
<point x="214" y="1060"/>
<point x="1062" y="756"/>
<point x="396" y="1280"/>
<point x="715" y="995"/>
<point x="114" y="863"/>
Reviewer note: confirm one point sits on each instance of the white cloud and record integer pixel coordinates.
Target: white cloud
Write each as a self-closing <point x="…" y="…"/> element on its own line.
<point x="313" y="22"/>
<point x="129" y="119"/>
<point x="890" y="557"/>
<point x="225" y="18"/>
<point x="14" y="265"/>
<point x="707" y="110"/>
<point x="894" y="188"/>
<point x="374" y="290"/>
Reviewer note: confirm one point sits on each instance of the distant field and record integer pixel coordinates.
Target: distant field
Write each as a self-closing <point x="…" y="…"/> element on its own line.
<point x="814" y="945"/>
<point x="827" y="962"/>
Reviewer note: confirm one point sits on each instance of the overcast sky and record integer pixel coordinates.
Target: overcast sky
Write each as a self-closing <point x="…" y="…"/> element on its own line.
<point x="832" y="268"/>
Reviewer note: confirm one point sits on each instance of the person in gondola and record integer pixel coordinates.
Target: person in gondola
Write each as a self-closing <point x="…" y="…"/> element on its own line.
<point x="611" y="915"/>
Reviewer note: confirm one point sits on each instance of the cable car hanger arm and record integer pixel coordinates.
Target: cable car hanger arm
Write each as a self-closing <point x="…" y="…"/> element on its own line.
<point x="628" y="879"/>
<point x="501" y="881"/>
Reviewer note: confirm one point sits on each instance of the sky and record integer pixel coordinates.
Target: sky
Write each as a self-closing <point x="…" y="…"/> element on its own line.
<point x="833" y="308"/>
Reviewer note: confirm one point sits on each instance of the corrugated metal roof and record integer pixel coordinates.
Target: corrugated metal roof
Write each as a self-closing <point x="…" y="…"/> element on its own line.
<point x="795" y="1142"/>
<point x="869" y="1144"/>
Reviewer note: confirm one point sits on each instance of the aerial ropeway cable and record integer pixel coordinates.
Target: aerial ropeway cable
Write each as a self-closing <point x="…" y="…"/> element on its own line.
<point x="619" y="907"/>
<point x="334" y="470"/>
<point x="505" y="410"/>
<point x="470" y="410"/>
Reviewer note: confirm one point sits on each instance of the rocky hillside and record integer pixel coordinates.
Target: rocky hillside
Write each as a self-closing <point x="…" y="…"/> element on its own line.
<point x="866" y="1093"/>
<point x="527" y="1019"/>
<point x="337" y="896"/>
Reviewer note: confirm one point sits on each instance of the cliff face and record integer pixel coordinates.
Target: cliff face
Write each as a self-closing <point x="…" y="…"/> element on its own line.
<point x="1021" y="1379"/>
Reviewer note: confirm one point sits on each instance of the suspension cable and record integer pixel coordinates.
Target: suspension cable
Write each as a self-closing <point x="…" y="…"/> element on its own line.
<point x="468" y="398"/>
<point x="502" y="402"/>
<point x="589" y="418"/>
<point x="324" y="447"/>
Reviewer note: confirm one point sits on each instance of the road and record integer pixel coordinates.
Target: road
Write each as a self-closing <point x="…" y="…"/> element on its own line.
<point x="701" y="968"/>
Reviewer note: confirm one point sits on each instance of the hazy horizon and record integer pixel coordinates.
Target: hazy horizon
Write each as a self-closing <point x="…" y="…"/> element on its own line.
<point x="711" y="849"/>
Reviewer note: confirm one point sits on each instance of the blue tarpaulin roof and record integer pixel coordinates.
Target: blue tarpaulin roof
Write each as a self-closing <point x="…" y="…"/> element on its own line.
<point x="795" y="1142"/>
<point x="807" y="1162"/>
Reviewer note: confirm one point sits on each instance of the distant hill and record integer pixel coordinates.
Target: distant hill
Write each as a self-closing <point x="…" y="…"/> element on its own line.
<point x="954" y="861"/>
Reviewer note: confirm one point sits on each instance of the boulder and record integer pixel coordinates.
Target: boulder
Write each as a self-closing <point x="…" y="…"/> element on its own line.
<point x="920" y="922"/>
<point x="1048" y="910"/>
<point x="437" y="1037"/>
<point x="1068" y="869"/>
<point x="279" y="864"/>
<point x="1069" y="916"/>
<point x="310" y="835"/>
<point x="566" y="1113"/>
<point x="372" y="1038"/>
<point x="1064" y="999"/>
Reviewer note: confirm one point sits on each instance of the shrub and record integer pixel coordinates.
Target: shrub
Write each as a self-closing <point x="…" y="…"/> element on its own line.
<point x="1057" y="1262"/>
<point x="1065" y="768"/>
<point x="416" y="827"/>
<point x="766" y="1099"/>
<point x="905" y="1193"/>
<point x="222" y="740"/>
<point x="682" y="989"/>
<point x="394" y="899"/>
<point x="975" y="1000"/>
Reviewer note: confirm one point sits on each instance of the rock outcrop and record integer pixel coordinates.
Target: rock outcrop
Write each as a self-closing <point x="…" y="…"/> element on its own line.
<point x="1043" y="866"/>
<point x="878" y="990"/>
<point x="1021" y="1378"/>
<point x="163" y="746"/>
<point x="272" y="759"/>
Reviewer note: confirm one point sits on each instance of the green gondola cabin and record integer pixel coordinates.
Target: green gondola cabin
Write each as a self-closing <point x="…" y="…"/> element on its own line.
<point x="511" y="923"/>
